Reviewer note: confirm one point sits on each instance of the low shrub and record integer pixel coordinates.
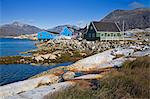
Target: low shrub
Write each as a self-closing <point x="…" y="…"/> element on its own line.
<point x="141" y="62"/>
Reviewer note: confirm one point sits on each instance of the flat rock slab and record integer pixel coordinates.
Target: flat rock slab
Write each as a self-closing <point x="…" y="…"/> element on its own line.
<point x="142" y="53"/>
<point x="26" y="85"/>
<point x="115" y="63"/>
<point x="92" y="62"/>
<point x="89" y="76"/>
<point x="44" y="91"/>
<point x="125" y="52"/>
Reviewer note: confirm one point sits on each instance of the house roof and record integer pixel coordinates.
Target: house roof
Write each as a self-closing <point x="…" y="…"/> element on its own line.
<point x="53" y="32"/>
<point x="105" y="26"/>
<point x="83" y="30"/>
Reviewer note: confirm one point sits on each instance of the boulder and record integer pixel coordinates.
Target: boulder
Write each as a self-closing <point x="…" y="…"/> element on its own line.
<point x="52" y="56"/>
<point x="68" y="75"/>
<point x="46" y="56"/>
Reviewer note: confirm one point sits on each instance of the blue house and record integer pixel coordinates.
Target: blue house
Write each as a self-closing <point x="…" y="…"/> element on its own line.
<point x="46" y="35"/>
<point x="66" y="32"/>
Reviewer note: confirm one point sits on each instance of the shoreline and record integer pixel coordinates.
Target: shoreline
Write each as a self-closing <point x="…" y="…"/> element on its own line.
<point x="6" y="36"/>
<point x="15" y="37"/>
<point x="30" y="59"/>
<point x="94" y="67"/>
<point x="60" y="51"/>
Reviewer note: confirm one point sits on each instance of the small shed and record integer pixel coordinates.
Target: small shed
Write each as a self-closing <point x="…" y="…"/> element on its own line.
<point x="47" y="35"/>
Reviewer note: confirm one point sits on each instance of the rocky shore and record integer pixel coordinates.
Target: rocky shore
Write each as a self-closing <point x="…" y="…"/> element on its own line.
<point x="27" y="36"/>
<point x="92" y="61"/>
<point x="62" y="78"/>
<point x="60" y="51"/>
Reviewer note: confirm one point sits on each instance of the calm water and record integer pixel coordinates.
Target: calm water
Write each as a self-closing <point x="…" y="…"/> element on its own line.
<point x="17" y="72"/>
<point x="11" y="47"/>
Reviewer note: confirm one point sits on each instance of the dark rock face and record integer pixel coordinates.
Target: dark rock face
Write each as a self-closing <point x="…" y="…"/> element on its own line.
<point x="17" y="28"/>
<point x="137" y="18"/>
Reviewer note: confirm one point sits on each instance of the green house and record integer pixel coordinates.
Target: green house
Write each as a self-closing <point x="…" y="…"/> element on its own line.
<point x="103" y="31"/>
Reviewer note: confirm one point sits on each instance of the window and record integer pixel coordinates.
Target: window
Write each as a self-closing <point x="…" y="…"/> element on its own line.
<point x="105" y="34"/>
<point x="98" y="34"/>
<point x="118" y="34"/>
<point x="91" y="28"/>
<point x="108" y="34"/>
<point x="102" y="34"/>
<point x="112" y="34"/>
<point x="93" y="35"/>
<point x="89" y="34"/>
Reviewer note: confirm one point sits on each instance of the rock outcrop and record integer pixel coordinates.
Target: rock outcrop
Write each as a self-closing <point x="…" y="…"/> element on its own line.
<point x="93" y="67"/>
<point x="22" y="86"/>
<point x="92" y="62"/>
<point x="44" y="91"/>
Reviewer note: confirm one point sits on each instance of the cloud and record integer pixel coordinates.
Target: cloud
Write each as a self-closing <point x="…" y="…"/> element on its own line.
<point x="136" y="5"/>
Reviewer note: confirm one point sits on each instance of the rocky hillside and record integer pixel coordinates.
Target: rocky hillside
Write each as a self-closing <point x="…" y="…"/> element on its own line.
<point x="137" y="18"/>
<point x="17" y="28"/>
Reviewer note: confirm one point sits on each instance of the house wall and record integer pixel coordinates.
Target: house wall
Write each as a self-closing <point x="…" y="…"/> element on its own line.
<point x="44" y="35"/>
<point x="109" y="35"/>
<point x="66" y="32"/>
<point x="91" y="33"/>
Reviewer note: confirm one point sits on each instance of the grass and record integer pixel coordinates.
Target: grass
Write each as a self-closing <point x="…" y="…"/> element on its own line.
<point x="130" y="81"/>
<point x="141" y="62"/>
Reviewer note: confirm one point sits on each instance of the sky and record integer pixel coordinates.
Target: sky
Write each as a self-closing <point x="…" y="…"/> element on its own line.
<point x="50" y="13"/>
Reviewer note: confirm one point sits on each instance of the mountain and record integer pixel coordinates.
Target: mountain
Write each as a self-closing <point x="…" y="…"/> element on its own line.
<point x="137" y="18"/>
<point x="17" y="28"/>
<point x="61" y="27"/>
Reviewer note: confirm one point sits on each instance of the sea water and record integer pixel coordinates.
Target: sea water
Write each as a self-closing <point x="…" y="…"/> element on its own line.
<point x="16" y="72"/>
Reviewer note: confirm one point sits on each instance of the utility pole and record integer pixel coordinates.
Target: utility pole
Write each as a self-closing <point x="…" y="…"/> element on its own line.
<point x="117" y="27"/>
<point x="123" y="32"/>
